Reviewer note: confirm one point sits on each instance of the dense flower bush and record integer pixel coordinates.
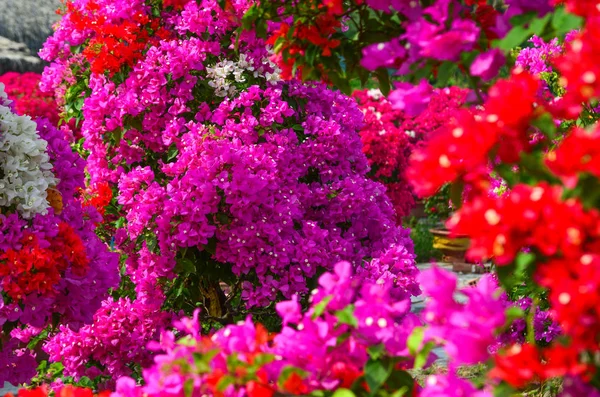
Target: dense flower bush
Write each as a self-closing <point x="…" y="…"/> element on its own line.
<point x="389" y="136"/>
<point x="351" y="327"/>
<point x="28" y="98"/>
<point x="236" y="192"/>
<point x="546" y="226"/>
<point x="224" y="173"/>
<point x="53" y="268"/>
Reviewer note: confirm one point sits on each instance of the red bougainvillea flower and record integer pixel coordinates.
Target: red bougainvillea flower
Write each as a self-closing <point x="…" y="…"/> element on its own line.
<point x="97" y="196"/>
<point x="450" y="154"/>
<point x="259" y="389"/>
<point x="578" y="152"/>
<point x="461" y="150"/>
<point x="574" y="286"/>
<point x="586" y="8"/>
<point x="579" y="68"/>
<point x="529" y="216"/>
<point x="294" y="385"/>
<point x="66" y="391"/>
<point x="34" y="269"/>
<point x="518" y="365"/>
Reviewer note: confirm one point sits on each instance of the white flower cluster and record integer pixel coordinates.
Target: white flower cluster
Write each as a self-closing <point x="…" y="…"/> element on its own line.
<point x="374" y="93"/>
<point x="25" y="168"/>
<point x="224" y="74"/>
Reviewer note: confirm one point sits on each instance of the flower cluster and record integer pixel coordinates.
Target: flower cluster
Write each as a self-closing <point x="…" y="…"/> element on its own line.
<point x="324" y="348"/>
<point x="53" y="268"/>
<point x="223" y="172"/>
<point x="26" y="169"/>
<point x="544" y="232"/>
<point x="28" y="98"/>
<point x="352" y="330"/>
<point x="389" y="135"/>
<point x="66" y="391"/>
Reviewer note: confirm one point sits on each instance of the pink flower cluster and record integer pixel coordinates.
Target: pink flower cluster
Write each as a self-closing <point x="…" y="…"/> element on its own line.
<point x="328" y="351"/>
<point x="28" y="98"/>
<point x="389" y="135"/>
<point x="66" y="285"/>
<point x="212" y="153"/>
<point x="351" y="322"/>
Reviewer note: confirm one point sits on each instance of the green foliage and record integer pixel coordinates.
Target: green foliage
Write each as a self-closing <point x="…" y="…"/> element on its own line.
<point x="423" y="242"/>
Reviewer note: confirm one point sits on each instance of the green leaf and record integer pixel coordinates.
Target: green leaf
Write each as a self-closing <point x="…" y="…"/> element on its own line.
<point x="340" y="82"/>
<point x="312" y="54"/>
<point x="343" y="393"/>
<point x="321" y="306"/>
<point x="376" y="373"/>
<point x="185" y="266"/>
<point x="224" y="382"/>
<point x="538" y="24"/>
<point x="564" y="22"/>
<point x="506" y="276"/>
<point x="376" y="351"/>
<point x="188" y="387"/>
<point x="383" y="76"/>
<point x="415" y="340"/>
<point x="503" y="390"/>
<point x="444" y="73"/>
<point x="172" y="153"/>
<point x="523" y="261"/>
<point x="402" y="380"/>
<point x="421" y="357"/>
<point x="346" y="316"/>
<point x="515" y="37"/>
<point x="545" y="123"/>
<point x="513" y="312"/>
<point x="250" y="17"/>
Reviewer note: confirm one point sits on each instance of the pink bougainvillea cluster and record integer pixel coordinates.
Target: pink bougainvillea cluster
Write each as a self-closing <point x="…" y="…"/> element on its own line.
<point x="389" y="136"/>
<point x="53" y="268"/>
<point x="28" y="99"/>
<point x="220" y="167"/>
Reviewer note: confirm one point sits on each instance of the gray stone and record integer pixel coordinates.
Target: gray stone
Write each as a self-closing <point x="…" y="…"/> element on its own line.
<point x="28" y="21"/>
<point x="24" y="27"/>
<point x="8" y="388"/>
<point x="16" y="57"/>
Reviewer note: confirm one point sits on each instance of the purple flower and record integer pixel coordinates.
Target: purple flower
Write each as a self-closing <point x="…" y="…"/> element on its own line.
<point x="468" y="329"/>
<point x="487" y="64"/>
<point x="450" y="385"/>
<point x="383" y="55"/>
<point x="411" y="99"/>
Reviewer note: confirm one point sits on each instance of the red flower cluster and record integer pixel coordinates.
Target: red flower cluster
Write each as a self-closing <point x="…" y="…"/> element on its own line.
<point x="523" y="364"/>
<point x="529" y="216"/>
<point x="579" y="66"/>
<point x="113" y="45"/>
<point x="37" y="268"/>
<point x="28" y="99"/>
<point x="461" y="150"/>
<point x="578" y="152"/>
<point x="66" y="391"/>
<point x="317" y="33"/>
<point x="97" y="196"/>
<point x="574" y="285"/>
<point x="389" y="137"/>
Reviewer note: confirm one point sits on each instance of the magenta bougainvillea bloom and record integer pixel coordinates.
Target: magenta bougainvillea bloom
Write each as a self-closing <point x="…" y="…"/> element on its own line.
<point x="219" y="164"/>
<point x="53" y="267"/>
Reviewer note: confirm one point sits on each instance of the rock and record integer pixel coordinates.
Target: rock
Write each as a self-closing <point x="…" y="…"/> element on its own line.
<point x="8" y="388"/>
<point x="16" y="57"/>
<point x="28" y="21"/>
<point x="24" y="27"/>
